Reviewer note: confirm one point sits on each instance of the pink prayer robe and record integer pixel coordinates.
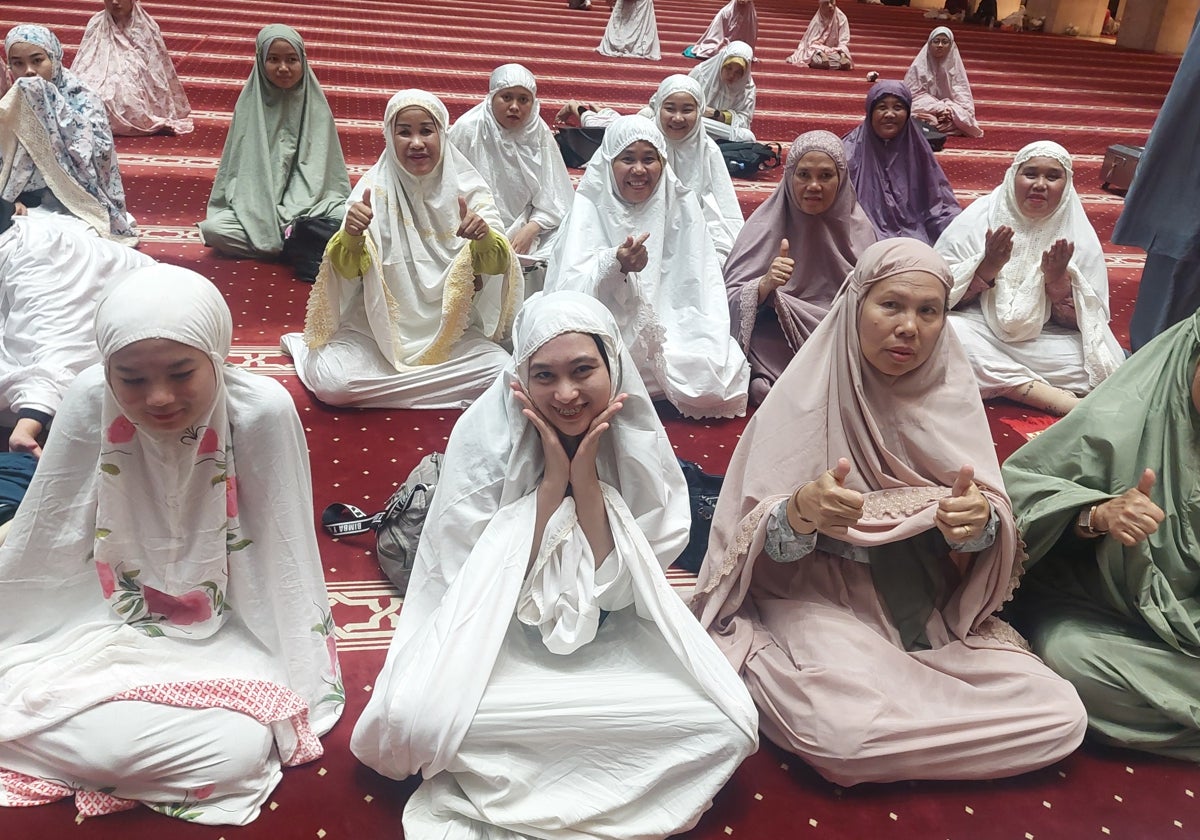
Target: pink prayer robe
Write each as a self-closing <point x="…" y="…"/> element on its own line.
<point x="824" y="34"/>
<point x="939" y="86"/>
<point x="128" y="66"/>
<point x="894" y="667"/>
<point x="734" y="22"/>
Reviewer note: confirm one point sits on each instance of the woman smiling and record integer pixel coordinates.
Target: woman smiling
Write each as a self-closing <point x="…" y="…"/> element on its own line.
<point x="696" y="158"/>
<point x="899" y="182"/>
<point x="282" y="164"/>
<point x="420" y="283"/>
<point x="775" y="300"/>
<point x="636" y="239"/>
<point x="506" y="139"/>
<point x="1030" y="294"/>
<point x="570" y="662"/>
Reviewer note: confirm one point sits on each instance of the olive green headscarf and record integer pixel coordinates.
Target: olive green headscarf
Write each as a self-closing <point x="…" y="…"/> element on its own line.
<point x="282" y="159"/>
<point x="1141" y="416"/>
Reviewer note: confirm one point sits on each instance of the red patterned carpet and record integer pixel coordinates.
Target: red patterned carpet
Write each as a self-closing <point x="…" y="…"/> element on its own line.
<point x="1028" y="86"/>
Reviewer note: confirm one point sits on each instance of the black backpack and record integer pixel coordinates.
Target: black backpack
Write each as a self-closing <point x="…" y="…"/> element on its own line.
<point x="746" y="160"/>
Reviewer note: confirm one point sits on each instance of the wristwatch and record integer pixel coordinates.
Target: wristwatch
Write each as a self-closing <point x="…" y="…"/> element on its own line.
<point x="1084" y="523"/>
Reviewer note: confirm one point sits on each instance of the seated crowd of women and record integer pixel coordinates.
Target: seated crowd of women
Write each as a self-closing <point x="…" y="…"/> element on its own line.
<point x="862" y="546"/>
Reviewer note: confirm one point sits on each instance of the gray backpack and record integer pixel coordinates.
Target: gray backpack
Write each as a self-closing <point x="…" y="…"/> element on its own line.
<point x="398" y="526"/>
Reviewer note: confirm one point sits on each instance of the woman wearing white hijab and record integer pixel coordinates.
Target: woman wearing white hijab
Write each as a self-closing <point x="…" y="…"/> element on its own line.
<point x="940" y="89"/>
<point x="544" y="678"/>
<point x="632" y="31"/>
<point x="1030" y="296"/>
<point x="505" y="138"/>
<point x="729" y="92"/>
<point x="419" y="285"/>
<point x="676" y="106"/>
<point x="637" y="240"/>
<point x="165" y="635"/>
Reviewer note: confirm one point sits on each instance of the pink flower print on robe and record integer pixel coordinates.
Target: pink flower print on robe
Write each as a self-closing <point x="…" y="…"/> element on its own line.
<point x="190" y="608"/>
<point x="331" y="647"/>
<point x="121" y="430"/>
<point x="108" y="581"/>
<point x="208" y="443"/>
<point x="231" y="499"/>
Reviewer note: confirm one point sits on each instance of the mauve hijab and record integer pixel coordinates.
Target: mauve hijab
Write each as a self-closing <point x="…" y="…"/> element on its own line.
<point x="899" y="183"/>
<point x="825" y="248"/>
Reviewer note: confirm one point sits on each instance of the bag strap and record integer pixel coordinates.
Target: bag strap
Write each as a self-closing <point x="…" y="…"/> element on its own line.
<point x="401" y="500"/>
<point x="340" y="520"/>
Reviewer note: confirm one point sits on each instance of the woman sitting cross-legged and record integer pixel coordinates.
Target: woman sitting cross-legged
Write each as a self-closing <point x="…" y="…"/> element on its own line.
<point x="862" y="543"/>
<point x="1105" y="501"/>
<point x="826" y="41"/>
<point x="637" y="240"/>
<point x="695" y="157"/>
<point x="505" y="138"/>
<point x="899" y="182"/>
<point x="777" y="300"/>
<point x="122" y="57"/>
<point x="737" y="20"/>
<point x="729" y="92"/>
<point x="165" y="635"/>
<point x="56" y="146"/>
<point x="1030" y="297"/>
<point x="282" y="170"/>
<point x="419" y="285"/>
<point x="941" y="93"/>
<point x="544" y="678"/>
<point x="632" y="31"/>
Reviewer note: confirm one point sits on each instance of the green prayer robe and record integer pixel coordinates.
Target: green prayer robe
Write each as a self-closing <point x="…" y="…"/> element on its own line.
<point x="1122" y="623"/>
<point x="282" y="160"/>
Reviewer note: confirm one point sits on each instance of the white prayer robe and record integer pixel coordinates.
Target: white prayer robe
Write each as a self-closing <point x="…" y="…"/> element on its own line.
<point x="739" y="99"/>
<point x="673" y="313"/>
<point x="53" y="271"/>
<point x="1007" y="331"/>
<point x="147" y="568"/>
<point x="698" y="162"/>
<point x="412" y="332"/>
<point x="522" y="165"/>
<point x="526" y="715"/>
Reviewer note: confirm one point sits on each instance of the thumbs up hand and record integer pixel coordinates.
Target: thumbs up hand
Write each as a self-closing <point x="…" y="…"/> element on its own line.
<point x="1132" y="516"/>
<point x="359" y="216"/>
<point x="962" y="516"/>
<point x="779" y="272"/>
<point x="826" y="504"/>
<point x="470" y="225"/>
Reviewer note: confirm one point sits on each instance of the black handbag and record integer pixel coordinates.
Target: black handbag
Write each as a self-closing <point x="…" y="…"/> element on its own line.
<point x="578" y="144"/>
<point x="304" y="242"/>
<point x="935" y="138"/>
<point x="703" y="491"/>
